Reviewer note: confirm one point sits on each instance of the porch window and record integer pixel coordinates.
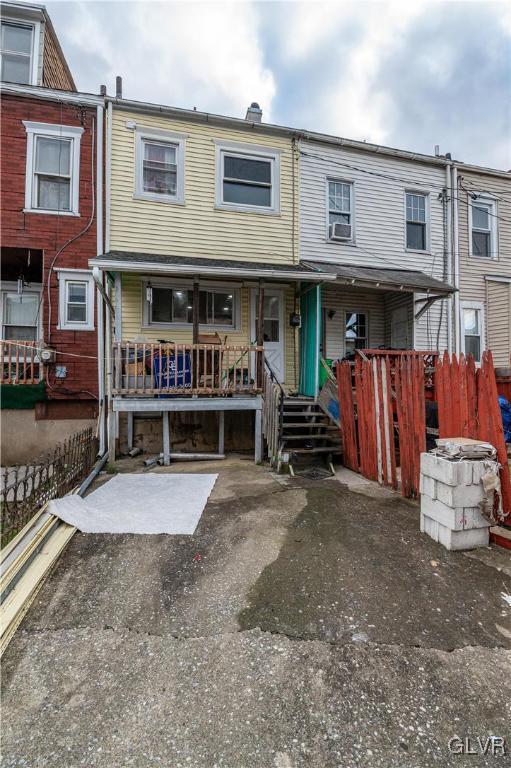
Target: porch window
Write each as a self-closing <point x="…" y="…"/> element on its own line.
<point x="340" y="210"/>
<point x="248" y="178"/>
<point x="17" y="53"/>
<point x="472" y="314"/>
<point x="53" y="168"/>
<point x="416" y="229"/>
<point x="167" y="306"/>
<point x="20" y="313"/>
<point x="355" y="332"/>
<point x="482" y="224"/>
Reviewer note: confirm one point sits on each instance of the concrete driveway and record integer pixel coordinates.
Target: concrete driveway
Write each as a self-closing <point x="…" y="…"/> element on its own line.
<point x="304" y="624"/>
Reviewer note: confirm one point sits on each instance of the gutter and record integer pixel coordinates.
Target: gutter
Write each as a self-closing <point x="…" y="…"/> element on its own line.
<point x="52" y="94"/>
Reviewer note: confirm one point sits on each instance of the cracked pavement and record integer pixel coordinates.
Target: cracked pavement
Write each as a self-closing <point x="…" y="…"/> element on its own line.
<point x="303" y="624"/>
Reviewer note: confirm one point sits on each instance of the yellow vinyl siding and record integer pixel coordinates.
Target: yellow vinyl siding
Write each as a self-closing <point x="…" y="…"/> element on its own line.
<point x="196" y="227"/>
<point x="134" y="329"/>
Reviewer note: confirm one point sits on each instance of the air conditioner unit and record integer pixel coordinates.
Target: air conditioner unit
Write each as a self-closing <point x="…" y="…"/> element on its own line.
<point x="339" y="231"/>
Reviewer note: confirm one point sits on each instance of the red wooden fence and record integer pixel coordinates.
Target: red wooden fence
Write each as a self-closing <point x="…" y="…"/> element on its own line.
<point x="468" y="407"/>
<point x="411" y="413"/>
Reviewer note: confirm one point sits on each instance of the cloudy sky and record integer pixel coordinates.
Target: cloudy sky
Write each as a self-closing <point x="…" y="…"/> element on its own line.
<point x="407" y="74"/>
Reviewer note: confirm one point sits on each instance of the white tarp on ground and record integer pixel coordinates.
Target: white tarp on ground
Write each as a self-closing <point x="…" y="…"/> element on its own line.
<point x="139" y="503"/>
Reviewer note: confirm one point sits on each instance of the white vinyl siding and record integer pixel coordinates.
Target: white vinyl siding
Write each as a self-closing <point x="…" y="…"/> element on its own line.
<point x="380" y="220"/>
<point x="336" y="302"/>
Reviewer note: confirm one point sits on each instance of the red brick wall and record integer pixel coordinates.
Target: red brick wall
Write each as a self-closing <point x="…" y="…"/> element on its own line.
<point x="50" y="232"/>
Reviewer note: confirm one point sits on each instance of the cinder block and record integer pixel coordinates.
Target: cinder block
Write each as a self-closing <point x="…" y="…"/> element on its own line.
<point x="469" y="539"/>
<point x="427" y="486"/>
<point x="459" y="495"/>
<point x="478" y="470"/>
<point x="474" y="519"/>
<point x="452" y="518"/>
<point x="448" y="472"/>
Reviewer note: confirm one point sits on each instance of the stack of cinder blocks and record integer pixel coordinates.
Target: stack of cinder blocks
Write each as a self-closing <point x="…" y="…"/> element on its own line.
<point x="451" y="492"/>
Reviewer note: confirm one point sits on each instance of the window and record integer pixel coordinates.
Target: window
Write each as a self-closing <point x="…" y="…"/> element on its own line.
<point x="355" y="332"/>
<point x="472" y="314"/>
<point x="340" y="205"/>
<point x="20" y="315"/>
<point x="53" y="168"/>
<point x="416" y="221"/>
<point x="217" y="306"/>
<point x="248" y="178"/>
<point x="482" y="217"/>
<point x="160" y="166"/>
<point x="271" y="318"/>
<point x="76" y="300"/>
<point x="17" y="46"/>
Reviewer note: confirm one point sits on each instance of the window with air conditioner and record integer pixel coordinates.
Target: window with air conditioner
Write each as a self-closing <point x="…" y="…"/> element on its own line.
<point x="52" y="180"/>
<point x="340" y="211"/>
<point x="482" y="221"/>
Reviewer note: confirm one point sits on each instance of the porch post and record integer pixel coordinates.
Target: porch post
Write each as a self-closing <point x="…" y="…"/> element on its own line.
<point x="260" y="334"/>
<point x="195" y="310"/>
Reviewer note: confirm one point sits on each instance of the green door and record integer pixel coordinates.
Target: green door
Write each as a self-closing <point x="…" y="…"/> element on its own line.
<point x="310" y="335"/>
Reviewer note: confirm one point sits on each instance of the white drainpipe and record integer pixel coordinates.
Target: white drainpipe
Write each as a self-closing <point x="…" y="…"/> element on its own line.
<point x="99" y="299"/>
<point x="456" y="256"/>
<point x="448" y="249"/>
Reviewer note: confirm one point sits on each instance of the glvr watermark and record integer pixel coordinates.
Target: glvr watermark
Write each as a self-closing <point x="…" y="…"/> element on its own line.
<point x="478" y="745"/>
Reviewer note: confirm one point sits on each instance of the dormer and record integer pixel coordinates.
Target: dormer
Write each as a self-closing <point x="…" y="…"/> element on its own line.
<point x="30" y="53"/>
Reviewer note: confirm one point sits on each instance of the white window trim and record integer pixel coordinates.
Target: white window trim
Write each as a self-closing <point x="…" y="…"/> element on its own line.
<point x="478" y="305"/>
<point x="163" y="137"/>
<point x="11" y="286"/>
<point x="492" y="203"/>
<point x="427" y="205"/>
<point x="188" y="285"/>
<point x="75" y="275"/>
<point x="354" y="311"/>
<point x="74" y="133"/>
<point x="351" y="183"/>
<point x="36" y="42"/>
<point x="250" y="151"/>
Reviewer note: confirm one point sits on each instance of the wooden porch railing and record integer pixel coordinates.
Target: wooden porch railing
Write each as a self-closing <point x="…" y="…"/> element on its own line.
<point x="185" y="369"/>
<point x="20" y="362"/>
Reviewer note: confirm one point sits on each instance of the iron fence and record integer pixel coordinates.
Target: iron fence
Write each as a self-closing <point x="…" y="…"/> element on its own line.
<point x="26" y="488"/>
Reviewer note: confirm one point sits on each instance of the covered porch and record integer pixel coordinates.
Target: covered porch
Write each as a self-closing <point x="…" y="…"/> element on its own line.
<point x="196" y="336"/>
<point x="370" y="308"/>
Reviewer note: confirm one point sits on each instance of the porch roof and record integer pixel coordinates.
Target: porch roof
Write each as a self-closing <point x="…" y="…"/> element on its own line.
<point x="125" y="261"/>
<point x="385" y="278"/>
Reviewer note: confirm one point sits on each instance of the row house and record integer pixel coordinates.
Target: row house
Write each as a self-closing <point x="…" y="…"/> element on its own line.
<point x="51" y="208"/>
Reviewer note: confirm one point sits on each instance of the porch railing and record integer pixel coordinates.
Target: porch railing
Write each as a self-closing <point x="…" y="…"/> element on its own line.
<point x="273" y="402"/>
<point x="20" y="362"/>
<point x="186" y="369"/>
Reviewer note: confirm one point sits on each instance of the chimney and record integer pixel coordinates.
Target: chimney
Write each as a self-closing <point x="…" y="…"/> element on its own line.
<point x="254" y="113"/>
<point x="118" y="87"/>
<point x="102" y="90"/>
<point x="437" y="150"/>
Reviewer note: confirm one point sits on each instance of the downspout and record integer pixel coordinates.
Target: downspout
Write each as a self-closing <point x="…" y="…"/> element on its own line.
<point x="108" y="175"/>
<point x="100" y="303"/>
<point x="456" y="258"/>
<point x="448" y="251"/>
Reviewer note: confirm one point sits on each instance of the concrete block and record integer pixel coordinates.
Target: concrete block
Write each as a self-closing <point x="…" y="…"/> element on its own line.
<point x="459" y="495"/>
<point x="448" y="472"/>
<point x="452" y="518"/>
<point x="474" y="518"/>
<point x="468" y="539"/>
<point x="478" y="470"/>
<point x="427" y="486"/>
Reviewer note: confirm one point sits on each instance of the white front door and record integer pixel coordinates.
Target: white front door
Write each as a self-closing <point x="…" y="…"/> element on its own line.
<point x="273" y="328"/>
<point x="399" y="329"/>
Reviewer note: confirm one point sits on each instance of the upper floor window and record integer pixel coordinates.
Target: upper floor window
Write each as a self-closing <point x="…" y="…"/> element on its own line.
<point x="17" y="46"/>
<point x="160" y="166"/>
<point x="482" y="225"/>
<point x="340" y="210"/>
<point x="53" y="168"/>
<point x="416" y="221"/>
<point x="248" y="178"/>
